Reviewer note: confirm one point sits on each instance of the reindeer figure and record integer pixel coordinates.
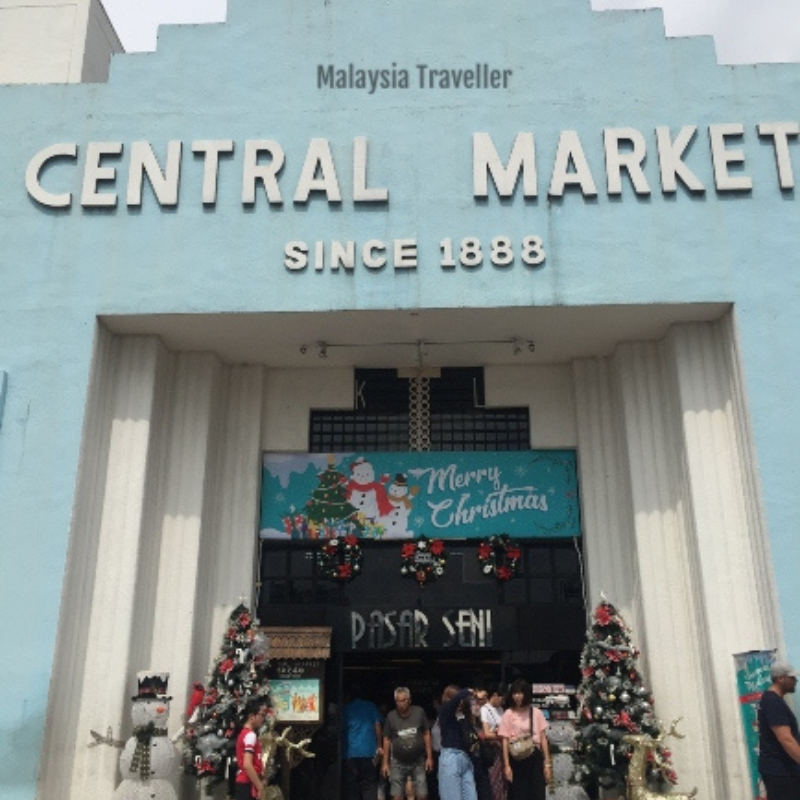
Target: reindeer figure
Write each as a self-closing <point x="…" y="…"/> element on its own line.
<point x="270" y="742"/>
<point x="643" y="745"/>
<point x="293" y="754"/>
<point x="297" y="750"/>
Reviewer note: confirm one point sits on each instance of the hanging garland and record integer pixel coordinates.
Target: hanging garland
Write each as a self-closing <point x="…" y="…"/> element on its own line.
<point x="499" y="556"/>
<point x="423" y="560"/>
<point x="340" y="559"/>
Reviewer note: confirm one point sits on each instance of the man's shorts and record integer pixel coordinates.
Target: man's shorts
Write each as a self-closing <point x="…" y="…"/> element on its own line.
<point x="399" y="774"/>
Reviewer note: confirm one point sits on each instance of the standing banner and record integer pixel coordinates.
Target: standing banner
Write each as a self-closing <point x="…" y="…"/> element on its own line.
<point x="752" y="678"/>
<point x="531" y="493"/>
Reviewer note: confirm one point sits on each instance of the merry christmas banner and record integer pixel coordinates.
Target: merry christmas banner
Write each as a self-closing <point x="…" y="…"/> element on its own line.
<point x="533" y="493"/>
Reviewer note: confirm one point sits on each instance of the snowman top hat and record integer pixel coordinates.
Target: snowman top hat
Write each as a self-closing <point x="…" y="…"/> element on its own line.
<point x="152" y="686"/>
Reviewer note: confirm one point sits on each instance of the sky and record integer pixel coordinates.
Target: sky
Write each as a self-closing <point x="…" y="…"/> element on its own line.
<point x="745" y="31"/>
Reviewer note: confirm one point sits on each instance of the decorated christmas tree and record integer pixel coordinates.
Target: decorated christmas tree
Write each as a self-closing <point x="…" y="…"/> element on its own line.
<point x="613" y="702"/>
<point x="237" y="675"/>
<point x="328" y="511"/>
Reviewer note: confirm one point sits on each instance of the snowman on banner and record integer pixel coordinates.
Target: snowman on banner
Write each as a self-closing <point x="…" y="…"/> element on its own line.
<point x="149" y="761"/>
<point x="400" y="497"/>
<point x="366" y="494"/>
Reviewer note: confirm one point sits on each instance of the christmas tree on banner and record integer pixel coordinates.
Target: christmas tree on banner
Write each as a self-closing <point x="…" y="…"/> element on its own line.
<point x="239" y="673"/>
<point x="329" y="512"/>
<point x="614" y="701"/>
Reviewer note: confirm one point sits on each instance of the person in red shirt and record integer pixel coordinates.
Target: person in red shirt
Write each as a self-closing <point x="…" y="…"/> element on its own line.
<point x="250" y="781"/>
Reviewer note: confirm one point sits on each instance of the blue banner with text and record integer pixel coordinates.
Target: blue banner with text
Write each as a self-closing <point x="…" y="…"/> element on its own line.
<point x="531" y="493"/>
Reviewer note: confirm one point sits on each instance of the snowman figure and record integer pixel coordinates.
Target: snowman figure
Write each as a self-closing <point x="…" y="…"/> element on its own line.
<point x="400" y="497"/>
<point x="149" y="761"/>
<point x="365" y="493"/>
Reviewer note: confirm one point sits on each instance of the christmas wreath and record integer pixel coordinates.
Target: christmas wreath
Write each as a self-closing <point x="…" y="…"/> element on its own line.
<point x="340" y="559"/>
<point x="499" y="556"/>
<point x="423" y="560"/>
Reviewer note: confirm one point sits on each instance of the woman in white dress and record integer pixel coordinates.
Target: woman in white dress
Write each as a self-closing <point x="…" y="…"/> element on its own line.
<point x="491" y="711"/>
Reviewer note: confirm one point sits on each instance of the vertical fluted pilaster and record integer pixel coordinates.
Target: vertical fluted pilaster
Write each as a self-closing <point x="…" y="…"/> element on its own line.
<point x="180" y="521"/>
<point x="230" y="529"/>
<point x="609" y="544"/>
<point x="672" y="656"/>
<point x="727" y="539"/>
<point x="758" y="538"/>
<point x="111" y="604"/>
<point x="62" y="740"/>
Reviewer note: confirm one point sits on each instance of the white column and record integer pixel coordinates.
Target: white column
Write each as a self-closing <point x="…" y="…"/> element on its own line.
<point x="111" y="604"/>
<point x="673" y="655"/>
<point x="62" y="740"/>
<point x="228" y="552"/>
<point x="609" y="546"/>
<point x="763" y="575"/>
<point x="185" y="484"/>
<point x="728" y="541"/>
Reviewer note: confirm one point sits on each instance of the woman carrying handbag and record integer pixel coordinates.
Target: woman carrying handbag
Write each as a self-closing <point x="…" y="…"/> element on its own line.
<point x="526" y="754"/>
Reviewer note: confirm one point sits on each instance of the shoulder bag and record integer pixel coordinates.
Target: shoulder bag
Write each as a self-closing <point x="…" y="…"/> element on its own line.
<point x="522" y="747"/>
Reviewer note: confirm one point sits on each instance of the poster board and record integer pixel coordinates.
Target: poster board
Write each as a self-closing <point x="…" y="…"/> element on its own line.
<point x="296" y="690"/>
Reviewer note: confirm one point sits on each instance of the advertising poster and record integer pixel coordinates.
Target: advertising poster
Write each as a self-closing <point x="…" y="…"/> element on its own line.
<point x="532" y="493"/>
<point x="296" y="700"/>
<point x="752" y="678"/>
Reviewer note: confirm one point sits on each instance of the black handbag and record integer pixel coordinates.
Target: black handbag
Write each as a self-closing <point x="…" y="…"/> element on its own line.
<point x="470" y="743"/>
<point x="487" y="753"/>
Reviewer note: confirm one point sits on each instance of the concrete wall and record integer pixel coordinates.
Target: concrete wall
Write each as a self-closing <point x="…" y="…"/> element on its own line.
<point x="55" y="41"/>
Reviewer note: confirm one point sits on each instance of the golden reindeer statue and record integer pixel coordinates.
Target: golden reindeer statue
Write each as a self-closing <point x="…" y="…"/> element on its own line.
<point x="643" y="745"/>
<point x="293" y="754"/>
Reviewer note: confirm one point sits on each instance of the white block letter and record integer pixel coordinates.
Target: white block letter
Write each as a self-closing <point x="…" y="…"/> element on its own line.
<point x="780" y="133"/>
<point x="631" y="161"/>
<point x="361" y="194"/>
<point x="165" y="184"/>
<point x="266" y="173"/>
<point x="34" y="170"/>
<point x="93" y="173"/>
<point x="726" y="182"/>
<point x="570" y="149"/>
<point x="319" y="159"/>
<point x="486" y="161"/>
<point x="670" y="160"/>
<point x="211" y="148"/>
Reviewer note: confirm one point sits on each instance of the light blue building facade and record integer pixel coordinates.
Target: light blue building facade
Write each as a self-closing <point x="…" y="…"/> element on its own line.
<point x="178" y="242"/>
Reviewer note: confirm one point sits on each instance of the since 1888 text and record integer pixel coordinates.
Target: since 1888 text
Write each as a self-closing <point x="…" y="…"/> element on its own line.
<point x="470" y="252"/>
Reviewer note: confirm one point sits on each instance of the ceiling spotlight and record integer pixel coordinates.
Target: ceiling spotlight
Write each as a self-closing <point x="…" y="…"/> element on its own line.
<point x="303" y="349"/>
<point x="323" y="349"/>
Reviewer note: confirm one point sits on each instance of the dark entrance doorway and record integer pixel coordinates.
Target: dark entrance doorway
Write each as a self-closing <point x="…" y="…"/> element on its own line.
<point x="424" y="674"/>
<point x="531" y="627"/>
